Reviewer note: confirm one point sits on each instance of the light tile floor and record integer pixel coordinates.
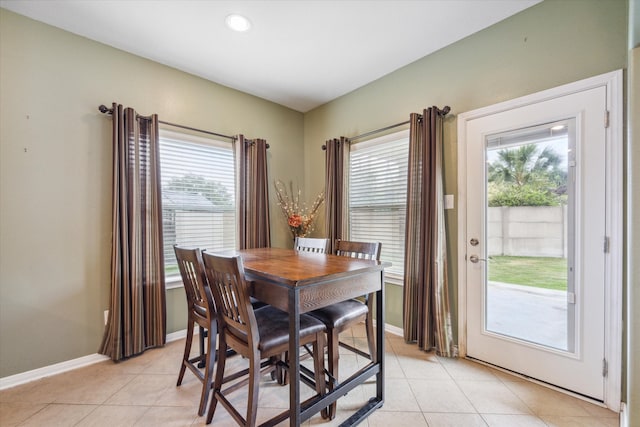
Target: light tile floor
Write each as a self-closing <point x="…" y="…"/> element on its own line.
<point x="421" y="390"/>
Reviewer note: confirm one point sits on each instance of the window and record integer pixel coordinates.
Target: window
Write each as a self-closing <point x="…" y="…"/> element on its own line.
<point x="378" y="196"/>
<point x="198" y="195"/>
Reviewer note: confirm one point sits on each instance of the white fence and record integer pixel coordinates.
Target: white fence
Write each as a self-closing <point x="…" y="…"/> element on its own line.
<point x="528" y="231"/>
<point x="207" y="229"/>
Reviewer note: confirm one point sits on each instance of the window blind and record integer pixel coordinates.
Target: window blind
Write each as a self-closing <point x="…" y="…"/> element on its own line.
<point x="378" y="196"/>
<point x="198" y="195"/>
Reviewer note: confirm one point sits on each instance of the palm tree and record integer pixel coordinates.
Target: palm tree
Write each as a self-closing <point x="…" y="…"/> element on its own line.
<point x="527" y="165"/>
<point x="526" y="176"/>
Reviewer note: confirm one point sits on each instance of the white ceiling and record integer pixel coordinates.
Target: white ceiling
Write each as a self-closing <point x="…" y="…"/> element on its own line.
<point x="300" y="54"/>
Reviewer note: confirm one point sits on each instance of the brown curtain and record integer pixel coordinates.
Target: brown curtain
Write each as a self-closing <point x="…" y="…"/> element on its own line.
<point x="335" y="184"/>
<point x="253" y="194"/>
<point x="427" y="313"/>
<point x="137" y="313"/>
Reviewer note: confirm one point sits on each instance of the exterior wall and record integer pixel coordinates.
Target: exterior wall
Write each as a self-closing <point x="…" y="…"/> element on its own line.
<point x="527" y="231"/>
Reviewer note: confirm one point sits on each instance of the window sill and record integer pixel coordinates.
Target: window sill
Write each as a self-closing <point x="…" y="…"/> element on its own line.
<point x="393" y="279"/>
<point x="172" y="282"/>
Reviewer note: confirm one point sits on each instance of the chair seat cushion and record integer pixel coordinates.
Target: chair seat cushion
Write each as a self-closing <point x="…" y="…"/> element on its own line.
<point x="340" y="314"/>
<point x="273" y="326"/>
<point x="256" y="303"/>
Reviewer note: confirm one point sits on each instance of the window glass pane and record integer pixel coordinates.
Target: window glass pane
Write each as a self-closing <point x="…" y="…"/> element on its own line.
<point x="198" y="195"/>
<point x="529" y="209"/>
<point x="378" y="195"/>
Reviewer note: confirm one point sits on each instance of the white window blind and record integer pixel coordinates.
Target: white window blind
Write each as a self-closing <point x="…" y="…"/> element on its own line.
<point x="198" y="195"/>
<point x="378" y="196"/>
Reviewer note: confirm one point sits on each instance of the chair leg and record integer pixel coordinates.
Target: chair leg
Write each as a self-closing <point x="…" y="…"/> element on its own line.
<point x="254" y="384"/>
<point x="279" y="374"/>
<point x="318" y="368"/>
<point x="371" y="338"/>
<point x="208" y="368"/>
<point x="333" y="347"/>
<point x="187" y="352"/>
<point x="201" y="337"/>
<point x="217" y="383"/>
<point x="283" y="376"/>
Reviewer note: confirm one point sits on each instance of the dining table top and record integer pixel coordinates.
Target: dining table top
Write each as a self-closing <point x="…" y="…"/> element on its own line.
<point x="296" y="268"/>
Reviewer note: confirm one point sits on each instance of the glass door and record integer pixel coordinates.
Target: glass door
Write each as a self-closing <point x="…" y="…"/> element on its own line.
<point x="530" y="187"/>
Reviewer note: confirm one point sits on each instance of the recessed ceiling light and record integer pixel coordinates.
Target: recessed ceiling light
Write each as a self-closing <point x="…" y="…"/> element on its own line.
<point x="237" y="23"/>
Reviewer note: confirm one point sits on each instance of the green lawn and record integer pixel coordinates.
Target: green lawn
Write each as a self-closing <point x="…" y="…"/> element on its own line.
<point x="539" y="272"/>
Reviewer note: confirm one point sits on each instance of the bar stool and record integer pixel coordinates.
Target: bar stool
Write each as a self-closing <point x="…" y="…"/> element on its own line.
<point x="201" y="312"/>
<point x="343" y="315"/>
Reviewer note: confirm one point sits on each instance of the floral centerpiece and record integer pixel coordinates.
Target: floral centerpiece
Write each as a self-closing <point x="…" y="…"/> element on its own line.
<point x="300" y="218"/>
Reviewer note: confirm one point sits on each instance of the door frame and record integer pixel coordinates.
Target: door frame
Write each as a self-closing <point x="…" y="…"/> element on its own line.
<point x="613" y="82"/>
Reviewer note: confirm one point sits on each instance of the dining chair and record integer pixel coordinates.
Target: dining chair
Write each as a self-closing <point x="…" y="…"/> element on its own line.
<point x="343" y="315"/>
<point x="201" y="312"/>
<point x="311" y="244"/>
<point x="256" y="335"/>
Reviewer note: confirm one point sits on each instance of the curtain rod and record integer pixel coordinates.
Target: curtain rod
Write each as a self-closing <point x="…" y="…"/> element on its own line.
<point x="378" y="130"/>
<point x="442" y="112"/>
<point x="324" y="147"/>
<point x="105" y="110"/>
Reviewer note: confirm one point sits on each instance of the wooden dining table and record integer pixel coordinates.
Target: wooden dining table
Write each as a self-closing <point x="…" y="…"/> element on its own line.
<point x="298" y="282"/>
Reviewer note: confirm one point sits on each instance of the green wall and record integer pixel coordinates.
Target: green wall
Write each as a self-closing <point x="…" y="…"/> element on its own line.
<point x="55" y="178"/>
<point x="547" y="45"/>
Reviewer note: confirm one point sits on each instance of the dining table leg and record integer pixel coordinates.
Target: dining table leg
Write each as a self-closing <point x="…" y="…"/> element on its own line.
<point x="294" y="357"/>
<point x="380" y="339"/>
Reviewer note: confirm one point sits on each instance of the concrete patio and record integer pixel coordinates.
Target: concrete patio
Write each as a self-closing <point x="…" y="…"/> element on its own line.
<point x="528" y="313"/>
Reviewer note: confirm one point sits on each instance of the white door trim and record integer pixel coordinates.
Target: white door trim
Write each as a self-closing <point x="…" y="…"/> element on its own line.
<point x="613" y="82"/>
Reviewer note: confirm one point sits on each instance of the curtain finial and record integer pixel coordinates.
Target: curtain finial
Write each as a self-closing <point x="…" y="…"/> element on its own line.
<point x="103" y="109"/>
<point x="445" y="111"/>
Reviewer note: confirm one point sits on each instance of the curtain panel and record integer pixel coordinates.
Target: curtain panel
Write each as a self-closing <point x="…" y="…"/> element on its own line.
<point x="253" y="193"/>
<point x="137" y="312"/>
<point x="427" y="312"/>
<point x="336" y="190"/>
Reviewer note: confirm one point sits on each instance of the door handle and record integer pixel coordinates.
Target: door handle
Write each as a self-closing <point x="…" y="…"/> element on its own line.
<point x="474" y="259"/>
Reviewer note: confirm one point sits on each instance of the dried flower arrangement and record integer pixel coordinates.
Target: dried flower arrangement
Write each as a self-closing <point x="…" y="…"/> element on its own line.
<point x="300" y="218"/>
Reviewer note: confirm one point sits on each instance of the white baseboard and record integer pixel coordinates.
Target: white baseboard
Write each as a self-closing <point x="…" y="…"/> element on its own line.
<point x="47" y="371"/>
<point x="178" y="335"/>
<point x="58" y="368"/>
<point x="394" y="330"/>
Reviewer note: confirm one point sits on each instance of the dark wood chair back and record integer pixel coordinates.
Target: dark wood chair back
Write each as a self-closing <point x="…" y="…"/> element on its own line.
<point x="231" y="293"/>
<point x="311" y="244"/>
<point x="199" y="297"/>
<point x="362" y="250"/>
